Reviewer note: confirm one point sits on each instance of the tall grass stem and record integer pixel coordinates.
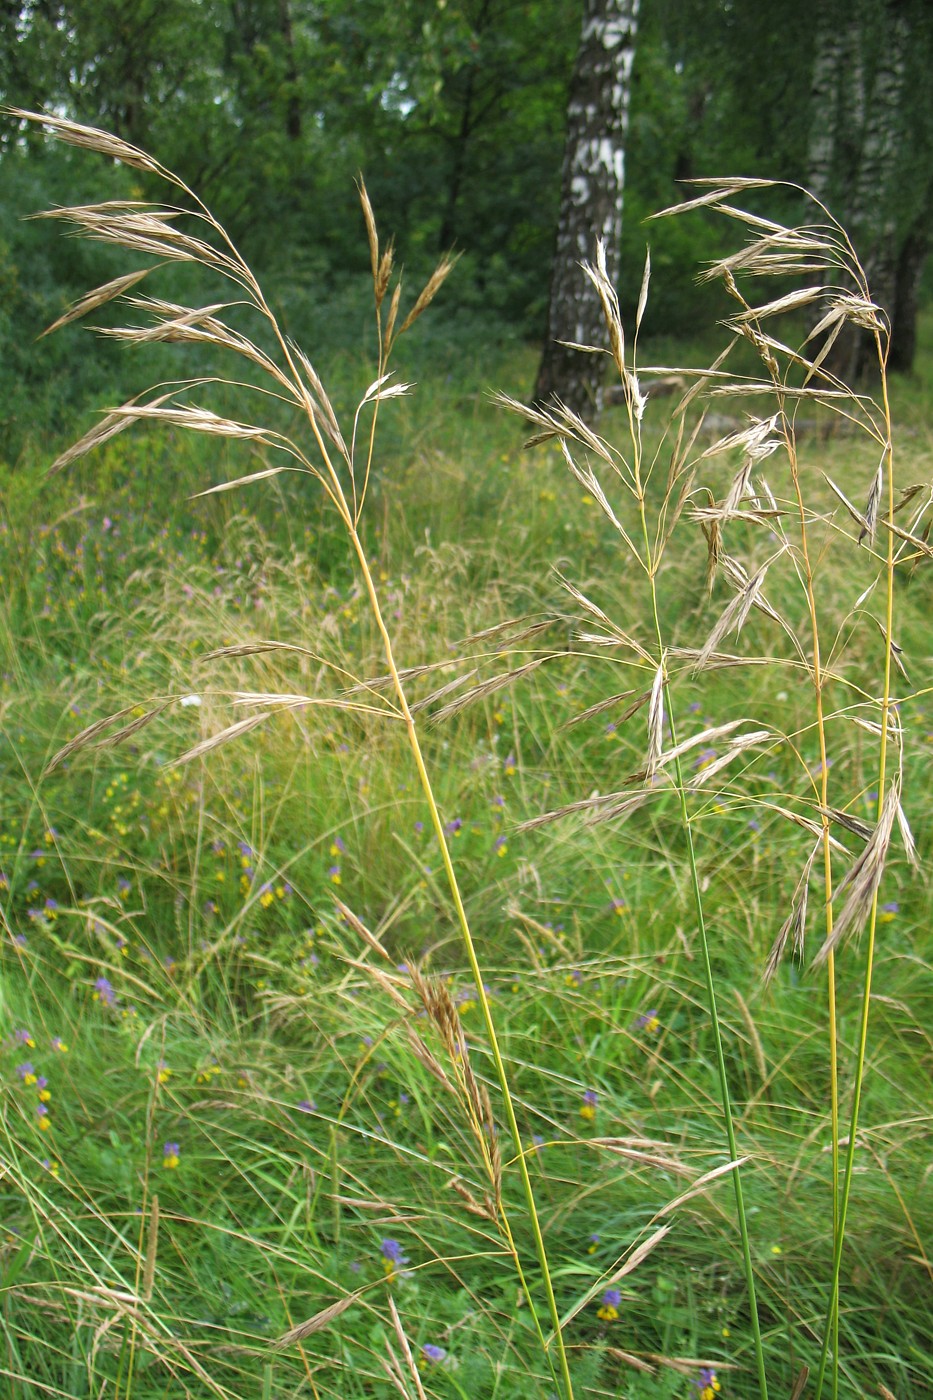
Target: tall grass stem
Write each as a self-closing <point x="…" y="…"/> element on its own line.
<point x="831" y="1322"/>
<point x="482" y="998"/>
<point x="725" y="1095"/>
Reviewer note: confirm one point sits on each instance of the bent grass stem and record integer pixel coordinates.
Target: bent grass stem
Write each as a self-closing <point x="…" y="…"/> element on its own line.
<point x="483" y="1000"/>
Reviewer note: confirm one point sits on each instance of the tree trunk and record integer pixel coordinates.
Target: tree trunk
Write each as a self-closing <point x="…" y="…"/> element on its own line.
<point x="832" y="121"/>
<point x="873" y="217"/>
<point x="591" y="203"/>
<point x="860" y="111"/>
<point x="293" y="101"/>
<point x="904" y="309"/>
<point x="461" y="141"/>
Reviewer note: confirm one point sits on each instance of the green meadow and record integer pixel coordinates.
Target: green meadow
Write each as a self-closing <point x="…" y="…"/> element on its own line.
<point x="247" y="1080"/>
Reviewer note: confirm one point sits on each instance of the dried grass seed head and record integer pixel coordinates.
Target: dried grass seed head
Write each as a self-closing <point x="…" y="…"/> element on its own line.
<point x="89" y="138"/>
<point x="369" y="219"/>
<point x="863" y="878"/>
<point x="430" y="290"/>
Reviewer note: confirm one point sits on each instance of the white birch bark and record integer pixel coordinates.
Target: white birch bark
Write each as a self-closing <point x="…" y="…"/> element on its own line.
<point x="591" y="201"/>
<point x="859" y="111"/>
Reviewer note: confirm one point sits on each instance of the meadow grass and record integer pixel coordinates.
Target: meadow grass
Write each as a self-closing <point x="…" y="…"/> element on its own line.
<point x="265" y="1164"/>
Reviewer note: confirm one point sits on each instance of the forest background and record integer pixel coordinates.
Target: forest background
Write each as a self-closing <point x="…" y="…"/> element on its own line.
<point x="456" y="116"/>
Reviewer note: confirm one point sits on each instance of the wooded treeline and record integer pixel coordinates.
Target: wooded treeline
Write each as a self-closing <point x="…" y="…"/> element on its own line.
<point x="456" y="111"/>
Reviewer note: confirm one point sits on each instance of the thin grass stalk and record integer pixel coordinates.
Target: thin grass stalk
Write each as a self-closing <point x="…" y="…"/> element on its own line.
<point x="790" y="444"/>
<point x="381" y="359"/>
<point x="148" y="1242"/>
<point x="483" y="1000"/>
<point x="827" y="867"/>
<point x="651" y="563"/>
<point x="725" y="1096"/>
<point x="133" y="1323"/>
<point x="462" y="919"/>
<point x="831" y="1322"/>
<point x="723" y="1078"/>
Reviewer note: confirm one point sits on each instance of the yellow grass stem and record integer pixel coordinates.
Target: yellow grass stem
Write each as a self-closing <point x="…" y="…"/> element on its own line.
<point x="481" y="997"/>
<point x="790" y="447"/>
<point x="351" y="517"/>
<point x="818" y="683"/>
<point x="831" y="1322"/>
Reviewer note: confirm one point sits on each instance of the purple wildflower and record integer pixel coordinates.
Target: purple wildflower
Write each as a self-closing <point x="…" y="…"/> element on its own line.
<point x="609" y="1307"/>
<point x="103" y="992"/>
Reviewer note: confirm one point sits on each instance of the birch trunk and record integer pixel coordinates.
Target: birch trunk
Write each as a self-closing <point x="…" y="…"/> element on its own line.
<point x="906" y="304"/>
<point x="591" y="202"/>
<point x="860" y="111"/>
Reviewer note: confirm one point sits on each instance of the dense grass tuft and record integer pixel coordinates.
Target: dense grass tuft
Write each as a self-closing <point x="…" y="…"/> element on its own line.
<point x="255" y="1138"/>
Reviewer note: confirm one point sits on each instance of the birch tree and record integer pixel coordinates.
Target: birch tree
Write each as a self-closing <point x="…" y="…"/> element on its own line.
<point x="591" y="202"/>
<point x="871" y="119"/>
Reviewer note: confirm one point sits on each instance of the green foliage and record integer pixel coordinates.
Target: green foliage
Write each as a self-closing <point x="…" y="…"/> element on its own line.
<point x="454" y="112"/>
<point x="40" y="383"/>
<point x="236" y="1044"/>
<point x="255" y="1008"/>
